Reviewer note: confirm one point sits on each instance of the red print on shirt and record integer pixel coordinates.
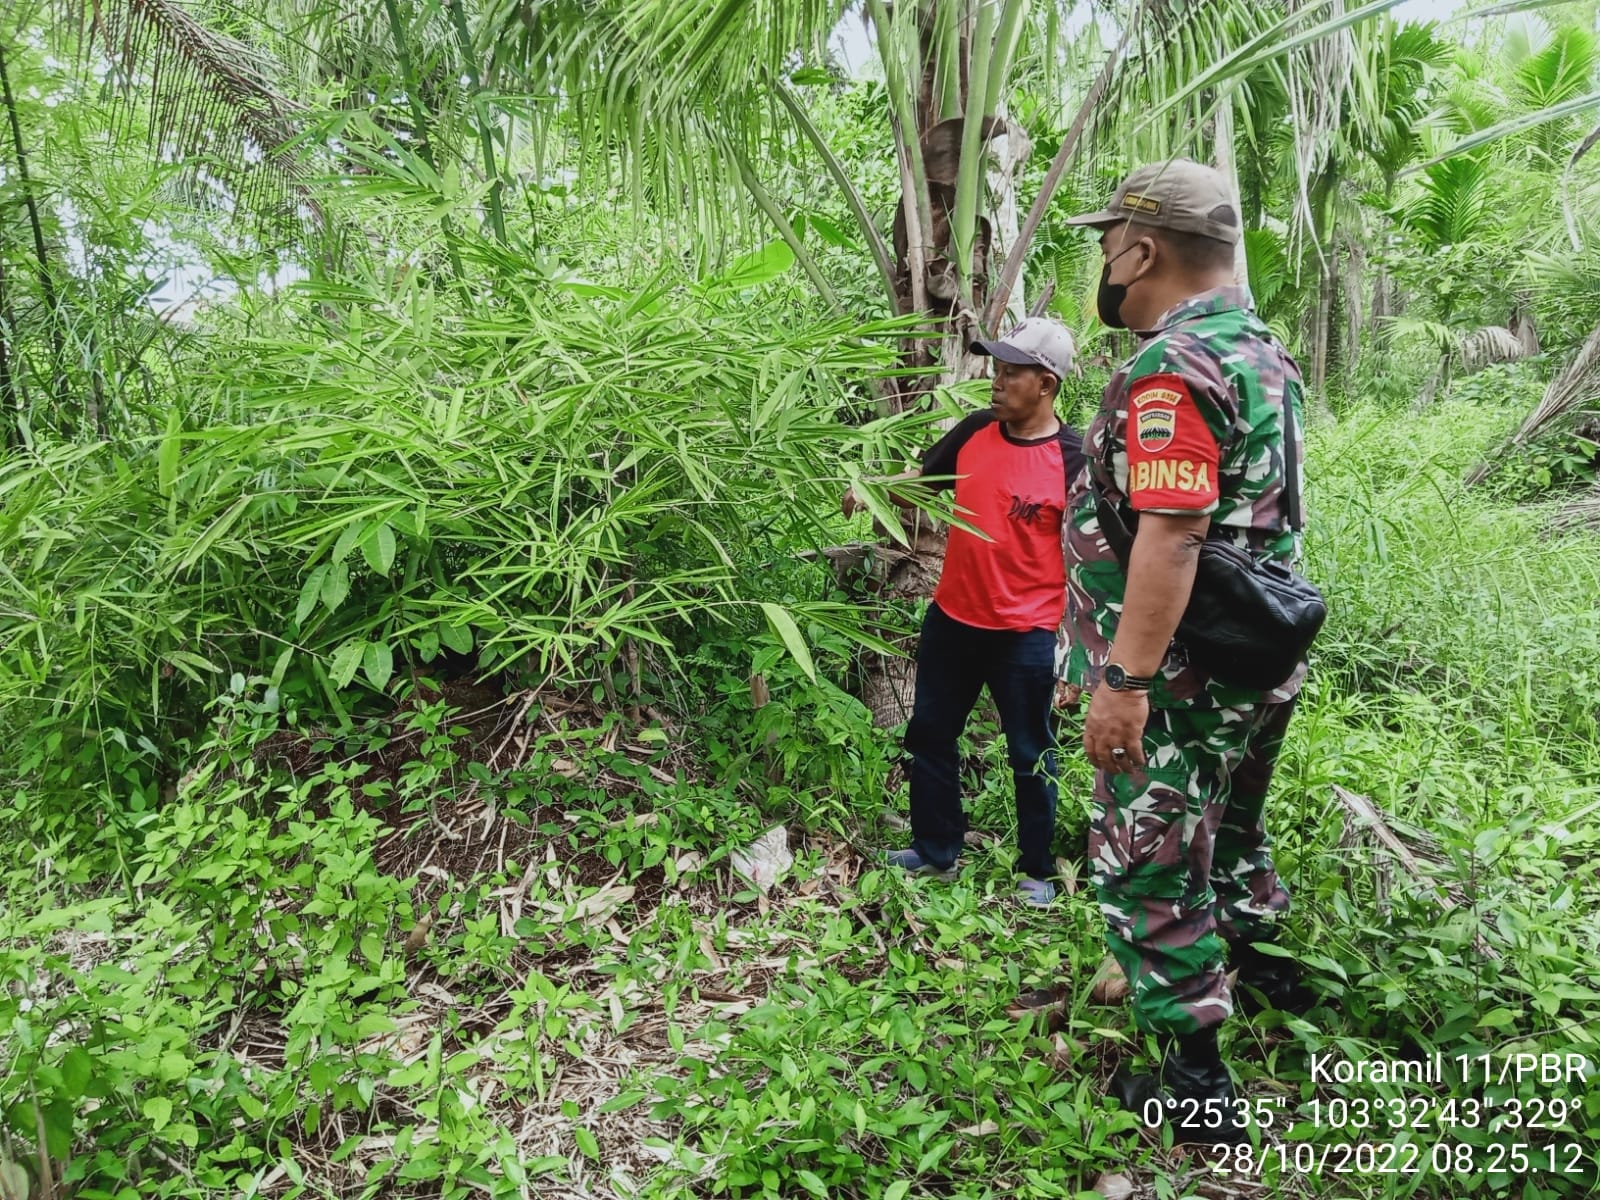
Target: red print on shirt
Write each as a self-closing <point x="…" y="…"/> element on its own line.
<point x="1172" y="455"/>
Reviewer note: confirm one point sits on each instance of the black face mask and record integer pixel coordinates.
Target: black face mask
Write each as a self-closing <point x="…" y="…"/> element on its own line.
<point x="1108" y="300"/>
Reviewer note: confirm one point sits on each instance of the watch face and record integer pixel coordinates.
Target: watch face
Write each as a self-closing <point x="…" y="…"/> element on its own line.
<point x="1115" y="677"/>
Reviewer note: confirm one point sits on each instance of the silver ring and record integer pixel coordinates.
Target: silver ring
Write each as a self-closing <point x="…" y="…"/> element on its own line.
<point x="1119" y="752"/>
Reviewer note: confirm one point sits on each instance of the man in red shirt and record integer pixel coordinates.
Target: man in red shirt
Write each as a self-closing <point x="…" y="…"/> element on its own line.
<point x="998" y="604"/>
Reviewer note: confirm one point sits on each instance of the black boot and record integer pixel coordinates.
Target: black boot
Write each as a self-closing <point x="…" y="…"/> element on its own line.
<point x="1194" y="1093"/>
<point x="1268" y="982"/>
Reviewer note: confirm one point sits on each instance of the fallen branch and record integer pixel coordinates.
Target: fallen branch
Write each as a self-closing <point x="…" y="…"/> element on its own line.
<point x="1575" y="389"/>
<point x="1367" y="814"/>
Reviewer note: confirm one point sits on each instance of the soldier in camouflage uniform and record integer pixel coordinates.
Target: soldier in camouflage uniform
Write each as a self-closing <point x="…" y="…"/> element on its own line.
<point x="1189" y="440"/>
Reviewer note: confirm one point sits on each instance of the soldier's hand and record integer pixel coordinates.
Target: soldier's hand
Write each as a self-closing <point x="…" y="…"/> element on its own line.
<point x="1116" y="720"/>
<point x="851" y="504"/>
<point x="1068" y="696"/>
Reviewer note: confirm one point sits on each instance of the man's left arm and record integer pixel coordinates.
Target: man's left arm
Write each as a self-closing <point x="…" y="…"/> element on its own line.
<point x="1173" y="466"/>
<point x="1161" y="568"/>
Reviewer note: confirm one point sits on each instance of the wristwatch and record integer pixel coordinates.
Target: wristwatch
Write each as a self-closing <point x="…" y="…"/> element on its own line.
<point x="1119" y="680"/>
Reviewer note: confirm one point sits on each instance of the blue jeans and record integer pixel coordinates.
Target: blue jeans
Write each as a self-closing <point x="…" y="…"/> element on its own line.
<point x="954" y="663"/>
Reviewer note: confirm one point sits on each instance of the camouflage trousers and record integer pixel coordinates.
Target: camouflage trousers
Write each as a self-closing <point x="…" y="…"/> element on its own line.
<point x="1181" y="860"/>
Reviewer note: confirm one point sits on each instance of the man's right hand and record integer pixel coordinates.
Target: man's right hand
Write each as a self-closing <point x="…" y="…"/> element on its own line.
<point x="851" y="504"/>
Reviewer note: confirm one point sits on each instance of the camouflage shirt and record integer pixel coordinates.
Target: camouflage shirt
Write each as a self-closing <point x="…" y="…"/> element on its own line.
<point x="1207" y="388"/>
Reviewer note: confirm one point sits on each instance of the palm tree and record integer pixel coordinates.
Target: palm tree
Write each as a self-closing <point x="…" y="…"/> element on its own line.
<point x="692" y="99"/>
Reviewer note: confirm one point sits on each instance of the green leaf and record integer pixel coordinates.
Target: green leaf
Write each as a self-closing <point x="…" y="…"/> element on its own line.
<point x="348" y="539"/>
<point x="829" y="232"/>
<point x="586" y="1143"/>
<point x="190" y="663"/>
<point x="783" y="625"/>
<point x="167" y="456"/>
<point x="346" y="660"/>
<point x="77" y="1068"/>
<point x="933" y="1157"/>
<point x="753" y="269"/>
<point x="885" y="514"/>
<point x="309" y="594"/>
<point x="377" y="661"/>
<point x="335" y="585"/>
<point x="621" y="1101"/>
<point x="1323" y="963"/>
<point x="158" y="1111"/>
<point x="457" y="637"/>
<point x="897" y="1190"/>
<point x="58" y="1117"/>
<point x="427" y="645"/>
<point x="812" y="1182"/>
<point x="378" y="549"/>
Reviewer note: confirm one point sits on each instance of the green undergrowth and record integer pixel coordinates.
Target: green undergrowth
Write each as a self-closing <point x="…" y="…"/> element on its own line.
<point x="362" y="961"/>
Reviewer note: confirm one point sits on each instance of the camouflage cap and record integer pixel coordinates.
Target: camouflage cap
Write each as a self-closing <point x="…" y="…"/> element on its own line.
<point x="1182" y="195"/>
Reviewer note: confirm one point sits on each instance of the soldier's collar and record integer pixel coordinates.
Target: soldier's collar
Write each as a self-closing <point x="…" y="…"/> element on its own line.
<point x="1216" y="300"/>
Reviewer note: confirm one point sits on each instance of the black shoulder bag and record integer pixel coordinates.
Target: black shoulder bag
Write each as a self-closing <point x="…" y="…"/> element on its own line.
<point x="1250" y="620"/>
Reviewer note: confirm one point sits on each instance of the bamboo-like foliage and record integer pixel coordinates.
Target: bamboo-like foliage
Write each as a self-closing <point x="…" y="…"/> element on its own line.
<point x="575" y="470"/>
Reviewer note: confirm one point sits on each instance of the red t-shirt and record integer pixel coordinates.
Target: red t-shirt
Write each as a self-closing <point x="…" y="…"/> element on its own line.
<point x="1016" y="492"/>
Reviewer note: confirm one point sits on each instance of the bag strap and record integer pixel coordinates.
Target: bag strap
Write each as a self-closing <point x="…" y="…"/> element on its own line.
<point x="1113" y="528"/>
<point x="1291" y="465"/>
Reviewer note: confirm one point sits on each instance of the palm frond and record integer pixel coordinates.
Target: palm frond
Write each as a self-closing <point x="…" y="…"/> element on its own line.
<point x="1270" y="270"/>
<point x="1302" y="54"/>
<point x="1491" y="344"/>
<point x="1452" y="206"/>
<point x="1320" y="75"/>
<point x="670" y="89"/>
<point x="1559" y="71"/>
<point x="1572" y="393"/>
<point x="1582" y="513"/>
<point x="1403" y="58"/>
<point x="1514" y="125"/>
<point x="211" y="97"/>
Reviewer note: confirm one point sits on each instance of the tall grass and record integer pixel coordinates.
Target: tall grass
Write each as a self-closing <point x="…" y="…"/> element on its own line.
<point x="1439" y="588"/>
<point x="1457" y="686"/>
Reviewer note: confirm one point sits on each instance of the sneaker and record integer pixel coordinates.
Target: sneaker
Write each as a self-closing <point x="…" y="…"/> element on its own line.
<point x="1036" y="893"/>
<point x="909" y="861"/>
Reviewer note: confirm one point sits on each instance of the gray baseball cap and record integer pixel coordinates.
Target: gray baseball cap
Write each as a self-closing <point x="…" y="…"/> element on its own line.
<point x="1182" y="195"/>
<point x="1036" y="342"/>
